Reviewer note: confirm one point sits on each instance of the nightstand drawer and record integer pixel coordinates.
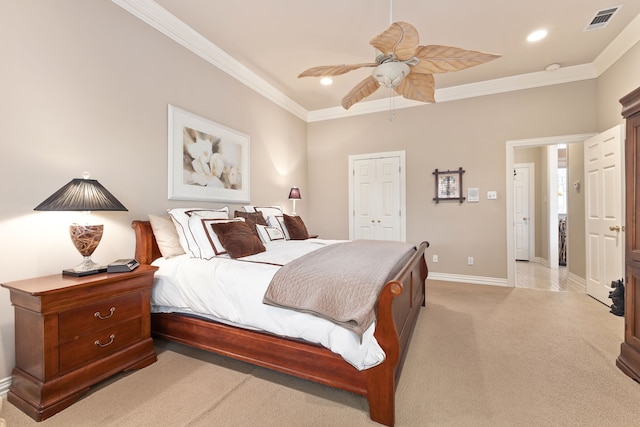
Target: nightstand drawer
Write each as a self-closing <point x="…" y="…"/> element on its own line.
<point x="97" y="345"/>
<point x="94" y="317"/>
<point x="63" y="347"/>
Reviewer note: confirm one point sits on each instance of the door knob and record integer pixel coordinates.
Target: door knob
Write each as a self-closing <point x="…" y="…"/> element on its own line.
<point x="614" y="228"/>
<point x="524" y="219"/>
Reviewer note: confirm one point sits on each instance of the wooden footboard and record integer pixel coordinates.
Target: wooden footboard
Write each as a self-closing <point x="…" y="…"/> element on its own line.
<point x="397" y="311"/>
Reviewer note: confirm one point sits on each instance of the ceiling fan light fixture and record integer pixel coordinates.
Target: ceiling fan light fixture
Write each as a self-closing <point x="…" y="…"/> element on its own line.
<point x="326" y="81"/>
<point x="390" y="74"/>
<point x="398" y="55"/>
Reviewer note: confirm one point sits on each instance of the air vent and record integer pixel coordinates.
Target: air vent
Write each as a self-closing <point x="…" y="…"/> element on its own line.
<point x="602" y="18"/>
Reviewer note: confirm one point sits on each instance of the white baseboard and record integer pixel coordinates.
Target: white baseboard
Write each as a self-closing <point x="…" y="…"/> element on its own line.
<point x="493" y="281"/>
<point x="577" y="280"/>
<point x="5" y="383"/>
<point x="479" y="280"/>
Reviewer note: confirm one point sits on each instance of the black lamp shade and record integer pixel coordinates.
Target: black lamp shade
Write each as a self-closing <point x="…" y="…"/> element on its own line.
<point x="81" y="195"/>
<point x="294" y="193"/>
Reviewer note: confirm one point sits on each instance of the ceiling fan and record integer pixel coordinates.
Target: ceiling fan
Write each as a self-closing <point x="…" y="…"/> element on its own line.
<point x="404" y="65"/>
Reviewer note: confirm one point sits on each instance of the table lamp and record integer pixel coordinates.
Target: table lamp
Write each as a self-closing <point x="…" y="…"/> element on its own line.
<point x="83" y="194"/>
<point x="294" y="195"/>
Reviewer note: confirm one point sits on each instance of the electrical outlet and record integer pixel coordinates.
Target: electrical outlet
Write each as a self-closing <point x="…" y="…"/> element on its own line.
<point x="435" y="258"/>
<point x="470" y="260"/>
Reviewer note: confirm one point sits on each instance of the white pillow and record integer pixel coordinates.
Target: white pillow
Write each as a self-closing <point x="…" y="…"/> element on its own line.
<point x="180" y="217"/>
<point x="269" y="211"/>
<point x="269" y="234"/>
<point x="206" y="238"/>
<point x="166" y="235"/>
<point x="280" y="223"/>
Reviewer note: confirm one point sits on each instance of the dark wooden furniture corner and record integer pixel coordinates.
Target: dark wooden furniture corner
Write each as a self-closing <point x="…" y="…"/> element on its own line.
<point x="629" y="359"/>
<point x="72" y="332"/>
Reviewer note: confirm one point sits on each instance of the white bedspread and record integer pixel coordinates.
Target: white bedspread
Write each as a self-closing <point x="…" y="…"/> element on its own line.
<point x="232" y="291"/>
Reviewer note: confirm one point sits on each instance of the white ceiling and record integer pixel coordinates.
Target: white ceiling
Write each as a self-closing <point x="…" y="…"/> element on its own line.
<point x="277" y="39"/>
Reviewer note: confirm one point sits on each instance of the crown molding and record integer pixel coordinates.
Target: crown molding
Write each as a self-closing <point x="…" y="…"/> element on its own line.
<point x="488" y="87"/>
<point x="159" y="18"/>
<point x="619" y="46"/>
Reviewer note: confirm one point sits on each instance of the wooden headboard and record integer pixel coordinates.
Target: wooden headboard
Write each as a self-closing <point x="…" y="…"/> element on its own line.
<point x="147" y="248"/>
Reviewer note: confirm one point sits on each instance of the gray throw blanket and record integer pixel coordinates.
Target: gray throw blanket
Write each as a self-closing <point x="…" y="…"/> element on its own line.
<point x="340" y="282"/>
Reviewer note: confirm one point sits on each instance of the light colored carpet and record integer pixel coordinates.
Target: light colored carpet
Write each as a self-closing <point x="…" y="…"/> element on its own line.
<point x="480" y="356"/>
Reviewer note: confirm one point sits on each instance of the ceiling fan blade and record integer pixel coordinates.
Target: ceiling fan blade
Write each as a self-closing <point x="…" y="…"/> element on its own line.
<point x="441" y="59"/>
<point x="360" y="91"/>
<point x="333" y="70"/>
<point x="400" y="38"/>
<point x="419" y="87"/>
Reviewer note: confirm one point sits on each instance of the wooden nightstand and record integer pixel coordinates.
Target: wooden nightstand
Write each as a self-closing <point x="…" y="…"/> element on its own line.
<point x="72" y="332"/>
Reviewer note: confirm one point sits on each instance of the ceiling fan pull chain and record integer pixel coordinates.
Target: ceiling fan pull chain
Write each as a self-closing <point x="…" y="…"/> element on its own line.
<point x="392" y="105"/>
<point x="390" y="12"/>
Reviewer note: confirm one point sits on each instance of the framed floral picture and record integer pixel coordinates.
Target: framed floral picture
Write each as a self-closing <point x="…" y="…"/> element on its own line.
<point x="449" y="185"/>
<point x="207" y="161"/>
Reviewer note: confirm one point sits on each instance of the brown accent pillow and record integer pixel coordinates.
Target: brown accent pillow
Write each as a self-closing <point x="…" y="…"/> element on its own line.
<point x="296" y="228"/>
<point x="238" y="239"/>
<point x="251" y="218"/>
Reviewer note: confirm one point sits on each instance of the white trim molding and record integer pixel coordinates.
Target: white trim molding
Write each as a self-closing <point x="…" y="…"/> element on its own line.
<point x="511" y="145"/>
<point x="159" y="18"/>
<point x="5" y="383"/>
<point x="478" y="280"/>
<point x="577" y="280"/>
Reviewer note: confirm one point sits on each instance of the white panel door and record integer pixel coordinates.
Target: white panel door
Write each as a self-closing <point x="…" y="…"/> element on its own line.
<point x="521" y="213"/>
<point x="364" y="182"/>
<point x="376" y="207"/>
<point x="388" y="221"/>
<point x="604" y="210"/>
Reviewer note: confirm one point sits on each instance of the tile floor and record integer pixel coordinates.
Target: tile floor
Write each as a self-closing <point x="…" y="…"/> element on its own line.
<point x="537" y="276"/>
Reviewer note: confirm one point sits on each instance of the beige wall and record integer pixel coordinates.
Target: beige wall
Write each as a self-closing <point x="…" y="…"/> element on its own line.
<point x="85" y="86"/>
<point x="620" y="79"/>
<point x="470" y="133"/>
<point x="576" y="252"/>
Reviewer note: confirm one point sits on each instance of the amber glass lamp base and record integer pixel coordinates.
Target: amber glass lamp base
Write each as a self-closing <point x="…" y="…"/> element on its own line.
<point x="86" y="239"/>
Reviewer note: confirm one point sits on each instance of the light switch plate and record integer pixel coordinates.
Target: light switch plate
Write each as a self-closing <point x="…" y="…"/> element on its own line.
<point x="492" y="195"/>
<point x="473" y="195"/>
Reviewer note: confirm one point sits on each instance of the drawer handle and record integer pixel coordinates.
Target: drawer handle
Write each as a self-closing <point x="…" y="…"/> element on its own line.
<point x="111" y="338"/>
<point x="101" y="317"/>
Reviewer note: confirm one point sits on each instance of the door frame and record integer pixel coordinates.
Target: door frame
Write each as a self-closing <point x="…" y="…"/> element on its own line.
<point x="403" y="188"/>
<point x="511" y="145"/>
<point x="531" y="167"/>
<point x="552" y="203"/>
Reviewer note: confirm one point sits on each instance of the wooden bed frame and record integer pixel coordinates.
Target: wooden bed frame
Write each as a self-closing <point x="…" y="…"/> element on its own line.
<point x="397" y="312"/>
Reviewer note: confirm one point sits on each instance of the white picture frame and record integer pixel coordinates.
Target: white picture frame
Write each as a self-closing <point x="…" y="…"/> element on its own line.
<point x="207" y="161"/>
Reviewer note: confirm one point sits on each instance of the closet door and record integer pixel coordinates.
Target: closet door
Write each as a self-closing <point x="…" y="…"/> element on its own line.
<point x="376" y="198"/>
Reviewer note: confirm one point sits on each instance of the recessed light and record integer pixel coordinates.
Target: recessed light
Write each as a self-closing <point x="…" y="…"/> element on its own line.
<point x="537" y="35"/>
<point x="326" y="81"/>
